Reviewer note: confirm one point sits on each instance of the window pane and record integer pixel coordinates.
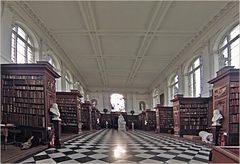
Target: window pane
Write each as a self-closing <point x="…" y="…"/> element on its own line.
<point x="196" y="63"/>
<point x="21" y="33"/>
<point x="224" y="57"/>
<point x="29" y="42"/>
<point x="30" y="55"/>
<point x="224" y="42"/>
<point x="234" y="32"/>
<point x="14" y="28"/>
<point x="197" y="82"/>
<point x="235" y="54"/>
<point x="176" y="79"/>
<point x="13" y="48"/>
<point x="191" y="84"/>
<point x="20" y="51"/>
<point x="21" y="59"/>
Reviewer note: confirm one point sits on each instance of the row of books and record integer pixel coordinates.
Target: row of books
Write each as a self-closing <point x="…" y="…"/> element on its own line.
<point x="23" y="119"/>
<point x="192" y="127"/>
<point x="234" y="109"/>
<point x="13" y="109"/>
<point x="234" y="118"/>
<point x="22" y="76"/>
<point x="22" y="82"/>
<point x="234" y="102"/>
<point x="234" y="84"/>
<point x="11" y="100"/>
<point x="234" y="128"/>
<point x="234" y="96"/>
<point x="194" y="105"/>
<point x="70" y="115"/>
<point x="193" y="110"/>
<point x="23" y="94"/>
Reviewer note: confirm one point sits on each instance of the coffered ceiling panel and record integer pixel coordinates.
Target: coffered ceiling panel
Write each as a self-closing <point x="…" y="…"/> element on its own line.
<point x="58" y="14"/>
<point x="75" y="45"/>
<point x="167" y="46"/>
<point x="191" y="15"/>
<point x="123" y="15"/>
<point x="118" y="63"/>
<point x="118" y="45"/>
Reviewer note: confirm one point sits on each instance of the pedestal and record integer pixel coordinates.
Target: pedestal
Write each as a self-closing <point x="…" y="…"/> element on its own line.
<point x="57" y="132"/>
<point x="215" y="132"/>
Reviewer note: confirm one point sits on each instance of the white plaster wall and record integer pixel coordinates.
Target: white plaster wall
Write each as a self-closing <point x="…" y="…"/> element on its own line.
<point x="204" y="45"/>
<point x="132" y="98"/>
<point x="13" y="12"/>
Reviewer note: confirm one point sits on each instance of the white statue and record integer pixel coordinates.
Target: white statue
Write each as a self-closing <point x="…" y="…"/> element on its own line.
<point x="206" y="137"/>
<point x="217" y="116"/>
<point x="54" y="110"/>
<point x="121" y="123"/>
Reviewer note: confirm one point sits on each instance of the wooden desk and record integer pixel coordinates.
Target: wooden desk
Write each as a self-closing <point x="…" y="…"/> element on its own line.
<point x="225" y="154"/>
<point x="4" y="131"/>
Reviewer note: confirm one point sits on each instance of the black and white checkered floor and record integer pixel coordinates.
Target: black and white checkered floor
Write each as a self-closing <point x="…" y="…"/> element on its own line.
<point x="112" y="146"/>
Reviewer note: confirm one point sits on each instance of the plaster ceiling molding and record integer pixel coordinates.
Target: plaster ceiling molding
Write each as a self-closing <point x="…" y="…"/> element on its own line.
<point x="196" y="37"/>
<point x="44" y="28"/>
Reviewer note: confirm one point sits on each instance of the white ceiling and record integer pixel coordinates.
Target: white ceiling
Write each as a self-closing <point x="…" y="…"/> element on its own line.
<point x="123" y="44"/>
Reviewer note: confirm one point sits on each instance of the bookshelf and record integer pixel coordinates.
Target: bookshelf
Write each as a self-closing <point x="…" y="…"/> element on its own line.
<point x="69" y="105"/>
<point x="86" y="114"/>
<point x="226" y="99"/>
<point x="28" y="91"/>
<point x="148" y="116"/>
<point x="164" y="119"/>
<point x="105" y="117"/>
<point x="190" y="115"/>
<point x="95" y="115"/>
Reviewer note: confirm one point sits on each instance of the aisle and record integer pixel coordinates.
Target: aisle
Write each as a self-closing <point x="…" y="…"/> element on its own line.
<point x="111" y="146"/>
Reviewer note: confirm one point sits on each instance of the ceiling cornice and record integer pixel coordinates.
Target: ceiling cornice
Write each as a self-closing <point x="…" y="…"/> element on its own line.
<point x="25" y="8"/>
<point x="194" y="39"/>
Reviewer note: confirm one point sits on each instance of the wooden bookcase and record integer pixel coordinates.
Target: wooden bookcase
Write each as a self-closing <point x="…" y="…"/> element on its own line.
<point x="150" y="117"/>
<point x="86" y="116"/>
<point x="103" y="118"/>
<point x="226" y="99"/>
<point x="28" y="91"/>
<point x="69" y="105"/>
<point x="190" y="115"/>
<point x="134" y="119"/>
<point x="95" y="115"/>
<point x="164" y="119"/>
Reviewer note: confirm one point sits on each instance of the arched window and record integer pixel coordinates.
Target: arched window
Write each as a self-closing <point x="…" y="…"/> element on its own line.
<point x="229" y="49"/>
<point x="68" y="81"/>
<point x="195" y="77"/>
<point x="117" y="102"/>
<point x="173" y="86"/>
<point x="22" y="48"/>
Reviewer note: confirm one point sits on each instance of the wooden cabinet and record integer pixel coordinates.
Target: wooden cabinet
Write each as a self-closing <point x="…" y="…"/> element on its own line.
<point x="95" y="118"/>
<point x="164" y="119"/>
<point x="28" y="91"/>
<point x="86" y="116"/>
<point x="226" y="99"/>
<point x="147" y="120"/>
<point x="69" y="105"/>
<point x="190" y="115"/>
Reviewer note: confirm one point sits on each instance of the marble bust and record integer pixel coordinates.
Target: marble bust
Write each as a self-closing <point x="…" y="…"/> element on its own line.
<point x="217" y="116"/>
<point x="55" y="111"/>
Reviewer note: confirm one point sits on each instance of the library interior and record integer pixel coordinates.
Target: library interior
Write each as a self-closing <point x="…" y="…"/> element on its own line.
<point x="120" y="81"/>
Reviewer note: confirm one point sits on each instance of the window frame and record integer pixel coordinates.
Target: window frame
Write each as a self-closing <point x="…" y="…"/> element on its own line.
<point x="191" y="71"/>
<point x="173" y="83"/>
<point x="26" y="44"/>
<point x="228" y="46"/>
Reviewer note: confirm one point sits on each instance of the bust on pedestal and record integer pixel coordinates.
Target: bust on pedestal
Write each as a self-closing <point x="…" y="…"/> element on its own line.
<point x="54" y="111"/>
<point x="121" y="123"/>
<point x="216" y="125"/>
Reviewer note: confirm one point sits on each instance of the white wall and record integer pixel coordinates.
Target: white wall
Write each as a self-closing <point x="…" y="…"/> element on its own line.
<point x="204" y="45"/>
<point x="132" y="98"/>
<point x="12" y="12"/>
